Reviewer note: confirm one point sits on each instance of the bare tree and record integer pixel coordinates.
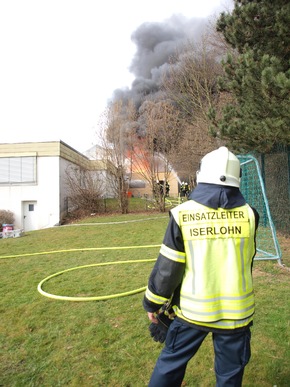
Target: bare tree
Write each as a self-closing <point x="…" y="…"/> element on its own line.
<point x="116" y="140"/>
<point x="191" y="82"/>
<point x="155" y="145"/>
<point x="85" y="188"/>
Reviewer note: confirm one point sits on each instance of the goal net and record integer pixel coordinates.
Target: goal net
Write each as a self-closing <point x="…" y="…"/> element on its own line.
<point x="253" y="190"/>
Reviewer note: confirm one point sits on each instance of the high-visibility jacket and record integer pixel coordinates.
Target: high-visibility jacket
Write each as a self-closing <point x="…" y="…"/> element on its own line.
<point x="217" y="289"/>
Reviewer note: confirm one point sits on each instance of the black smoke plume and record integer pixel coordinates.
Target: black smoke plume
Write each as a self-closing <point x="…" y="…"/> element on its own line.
<point x="156" y="43"/>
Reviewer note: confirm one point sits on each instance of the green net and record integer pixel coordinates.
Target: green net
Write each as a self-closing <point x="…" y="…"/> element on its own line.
<point x="253" y="190"/>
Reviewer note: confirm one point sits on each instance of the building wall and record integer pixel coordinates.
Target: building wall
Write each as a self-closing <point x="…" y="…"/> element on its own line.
<point x="44" y="194"/>
<point x="63" y="188"/>
<point x="48" y="191"/>
<point x="47" y="196"/>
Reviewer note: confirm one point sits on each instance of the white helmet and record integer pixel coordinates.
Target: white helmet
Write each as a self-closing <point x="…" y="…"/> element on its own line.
<point x="220" y="167"/>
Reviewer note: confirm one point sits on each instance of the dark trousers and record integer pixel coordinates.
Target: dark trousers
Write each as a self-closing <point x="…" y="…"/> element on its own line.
<point x="232" y="353"/>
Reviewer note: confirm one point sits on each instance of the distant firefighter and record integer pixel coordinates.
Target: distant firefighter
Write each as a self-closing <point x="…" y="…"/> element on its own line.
<point x="184" y="189"/>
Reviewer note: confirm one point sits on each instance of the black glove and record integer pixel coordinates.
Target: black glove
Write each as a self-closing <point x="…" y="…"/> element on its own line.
<point x="159" y="331"/>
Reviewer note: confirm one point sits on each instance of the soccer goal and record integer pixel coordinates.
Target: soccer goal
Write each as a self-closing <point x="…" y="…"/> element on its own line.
<point x="253" y="189"/>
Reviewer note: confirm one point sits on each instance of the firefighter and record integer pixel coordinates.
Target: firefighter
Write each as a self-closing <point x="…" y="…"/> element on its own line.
<point x="202" y="280"/>
<point x="167" y="187"/>
<point x="184" y="189"/>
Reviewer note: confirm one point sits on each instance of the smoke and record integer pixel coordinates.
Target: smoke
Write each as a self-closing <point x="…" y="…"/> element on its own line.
<point x="155" y="44"/>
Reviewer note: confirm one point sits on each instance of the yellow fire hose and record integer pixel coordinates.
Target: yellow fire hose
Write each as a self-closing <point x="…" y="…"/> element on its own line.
<point x="98" y="298"/>
<point x="73" y="250"/>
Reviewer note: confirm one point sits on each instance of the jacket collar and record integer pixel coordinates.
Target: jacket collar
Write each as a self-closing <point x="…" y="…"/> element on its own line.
<point x="217" y="196"/>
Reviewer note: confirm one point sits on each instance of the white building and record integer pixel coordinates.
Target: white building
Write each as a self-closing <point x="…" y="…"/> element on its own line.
<point x="33" y="181"/>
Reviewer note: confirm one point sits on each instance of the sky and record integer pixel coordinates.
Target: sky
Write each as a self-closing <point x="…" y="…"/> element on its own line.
<point x="62" y="60"/>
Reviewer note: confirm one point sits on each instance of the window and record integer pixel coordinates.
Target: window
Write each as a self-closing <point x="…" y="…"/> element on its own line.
<point x="18" y="170"/>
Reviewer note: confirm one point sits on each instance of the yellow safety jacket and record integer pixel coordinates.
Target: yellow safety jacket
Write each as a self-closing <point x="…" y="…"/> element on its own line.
<point x="217" y="289"/>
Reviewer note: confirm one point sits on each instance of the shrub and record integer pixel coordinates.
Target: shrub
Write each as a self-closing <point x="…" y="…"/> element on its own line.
<point x="6" y="217"/>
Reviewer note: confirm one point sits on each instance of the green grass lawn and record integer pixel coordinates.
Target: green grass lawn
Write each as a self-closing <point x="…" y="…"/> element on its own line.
<point x="49" y="342"/>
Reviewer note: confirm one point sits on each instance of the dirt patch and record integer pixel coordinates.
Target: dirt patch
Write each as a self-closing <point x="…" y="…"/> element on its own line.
<point x="284" y="243"/>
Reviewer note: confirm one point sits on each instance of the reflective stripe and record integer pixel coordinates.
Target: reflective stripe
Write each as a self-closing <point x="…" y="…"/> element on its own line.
<point x="221" y="324"/>
<point x="217" y="313"/>
<point x="154" y="298"/>
<point x="242" y="243"/>
<point x="218" y="298"/>
<point x="174" y="255"/>
<point x="235" y="308"/>
<point x="191" y="264"/>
